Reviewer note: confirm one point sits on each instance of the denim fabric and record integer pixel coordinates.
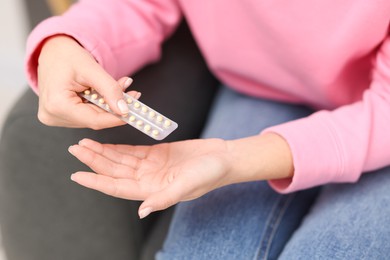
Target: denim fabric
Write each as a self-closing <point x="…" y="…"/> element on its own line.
<point x="348" y="221"/>
<point x="251" y="221"/>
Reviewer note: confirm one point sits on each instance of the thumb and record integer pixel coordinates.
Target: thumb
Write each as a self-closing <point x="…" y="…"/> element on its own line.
<point x="110" y="89"/>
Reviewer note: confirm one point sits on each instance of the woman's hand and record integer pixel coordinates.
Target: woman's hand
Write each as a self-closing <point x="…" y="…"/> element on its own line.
<point x="161" y="175"/>
<point x="165" y="174"/>
<point x="66" y="68"/>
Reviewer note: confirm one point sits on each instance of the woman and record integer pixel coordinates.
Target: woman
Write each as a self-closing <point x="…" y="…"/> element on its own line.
<point x="304" y="103"/>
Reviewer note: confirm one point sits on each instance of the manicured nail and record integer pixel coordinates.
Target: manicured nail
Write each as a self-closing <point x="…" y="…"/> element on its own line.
<point x="145" y="212"/>
<point x="123" y="107"/>
<point x="82" y="142"/>
<point x="127" y="83"/>
<point x="138" y="95"/>
<point x="70" y="149"/>
<point x="73" y="177"/>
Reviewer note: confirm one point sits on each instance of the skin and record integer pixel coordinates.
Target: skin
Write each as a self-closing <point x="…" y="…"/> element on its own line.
<point x="64" y="69"/>
<point x="165" y="174"/>
<point x="159" y="175"/>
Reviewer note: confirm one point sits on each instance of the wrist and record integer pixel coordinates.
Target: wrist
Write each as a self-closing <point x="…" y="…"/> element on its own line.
<point x="261" y="157"/>
<point x="56" y="42"/>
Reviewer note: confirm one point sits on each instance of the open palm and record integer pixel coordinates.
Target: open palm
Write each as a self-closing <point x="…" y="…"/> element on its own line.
<point x="161" y="175"/>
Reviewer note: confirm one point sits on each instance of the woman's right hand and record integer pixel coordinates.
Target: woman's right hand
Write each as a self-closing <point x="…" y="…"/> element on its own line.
<point x="64" y="69"/>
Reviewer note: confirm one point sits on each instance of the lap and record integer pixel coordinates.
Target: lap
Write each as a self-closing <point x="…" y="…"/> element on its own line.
<point x="234" y="115"/>
<point x="240" y="221"/>
<point x="348" y="221"/>
<point x="251" y="221"/>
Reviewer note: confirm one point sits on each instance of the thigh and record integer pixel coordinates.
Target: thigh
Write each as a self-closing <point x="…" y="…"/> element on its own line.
<point x="241" y="221"/>
<point x="349" y="221"/>
<point x="234" y="115"/>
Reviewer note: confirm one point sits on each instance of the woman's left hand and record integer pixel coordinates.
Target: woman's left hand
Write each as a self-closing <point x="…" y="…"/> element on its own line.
<point x="161" y="175"/>
<point x="165" y="174"/>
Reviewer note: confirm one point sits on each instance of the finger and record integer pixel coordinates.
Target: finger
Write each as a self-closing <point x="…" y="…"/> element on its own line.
<point x="120" y="188"/>
<point x="134" y="94"/>
<point x="125" y="82"/>
<point x="101" y="164"/>
<point x="111" y="153"/>
<point x="107" y="87"/>
<point x="90" y="115"/>
<point x="139" y="151"/>
<point x="162" y="199"/>
<point x="77" y="115"/>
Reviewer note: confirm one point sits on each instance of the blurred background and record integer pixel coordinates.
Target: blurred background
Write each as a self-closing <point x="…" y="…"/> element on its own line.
<point x="13" y="32"/>
<point x="17" y="17"/>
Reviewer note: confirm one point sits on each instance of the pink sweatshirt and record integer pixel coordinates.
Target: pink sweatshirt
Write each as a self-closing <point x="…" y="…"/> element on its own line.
<point x="331" y="55"/>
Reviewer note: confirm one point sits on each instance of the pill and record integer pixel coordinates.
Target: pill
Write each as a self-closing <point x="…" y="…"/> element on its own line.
<point x="142" y="117"/>
<point x="152" y="114"/>
<point x="147" y="128"/>
<point x="140" y="123"/>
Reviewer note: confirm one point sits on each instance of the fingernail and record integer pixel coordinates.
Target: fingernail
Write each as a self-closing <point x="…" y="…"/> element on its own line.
<point x="70" y="149"/>
<point x="127" y="83"/>
<point x="145" y="212"/>
<point x="73" y="177"/>
<point x="138" y="95"/>
<point x="123" y="107"/>
<point x="81" y="142"/>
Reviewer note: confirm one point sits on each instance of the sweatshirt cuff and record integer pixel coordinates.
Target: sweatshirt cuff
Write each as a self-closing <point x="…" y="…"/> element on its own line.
<point x="318" y="154"/>
<point x="54" y="26"/>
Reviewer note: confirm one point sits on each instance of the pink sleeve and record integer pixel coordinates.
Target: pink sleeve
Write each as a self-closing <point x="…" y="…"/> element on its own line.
<point x="122" y="35"/>
<point x="338" y="146"/>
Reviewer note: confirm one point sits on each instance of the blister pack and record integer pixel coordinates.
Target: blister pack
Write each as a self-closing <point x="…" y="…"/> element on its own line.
<point x="141" y="117"/>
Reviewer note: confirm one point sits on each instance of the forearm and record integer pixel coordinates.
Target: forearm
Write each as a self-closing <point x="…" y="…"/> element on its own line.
<point x="260" y="157"/>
